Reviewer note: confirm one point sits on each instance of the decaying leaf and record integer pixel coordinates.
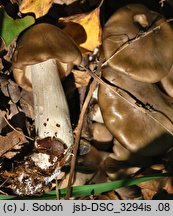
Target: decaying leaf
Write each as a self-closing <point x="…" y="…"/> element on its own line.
<point x="90" y="23"/>
<point x="111" y="195"/>
<point x="13" y="110"/>
<point x="81" y="78"/>
<point x="150" y="188"/>
<point x="26" y="179"/>
<point x="129" y="192"/>
<point x="13" y="140"/>
<point x="2" y="122"/>
<point x="3" y="80"/>
<point x="157" y="189"/>
<point x="39" y="8"/>
<point x="11" y="89"/>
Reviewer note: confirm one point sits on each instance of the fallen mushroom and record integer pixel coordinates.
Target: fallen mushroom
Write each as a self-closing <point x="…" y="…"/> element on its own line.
<point x="43" y="57"/>
<point x="130" y="48"/>
<point x="145" y="125"/>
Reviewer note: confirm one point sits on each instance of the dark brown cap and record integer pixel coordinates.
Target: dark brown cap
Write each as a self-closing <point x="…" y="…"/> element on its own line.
<point x="40" y="43"/>
<point x="147" y="59"/>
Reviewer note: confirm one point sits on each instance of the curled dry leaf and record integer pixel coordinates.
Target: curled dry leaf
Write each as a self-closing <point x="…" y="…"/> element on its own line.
<point x="149" y="189"/>
<point x="39" y="8"/>
<point x="81" y="78"/>
<point x="91" y="24"/>
<point x="2" y="123"/>
<point x="13" y="110"/>
<point x="13" y="140"/>
<point x="11" y="89"/>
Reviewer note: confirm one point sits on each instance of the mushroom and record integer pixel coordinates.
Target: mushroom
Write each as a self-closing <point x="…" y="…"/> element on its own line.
<point x="43" y="57"/>
<point x="150" y="56"/>
<point x="166" y="83"/>
<point x="101" y="137"/>
<point x="144" y="124"/>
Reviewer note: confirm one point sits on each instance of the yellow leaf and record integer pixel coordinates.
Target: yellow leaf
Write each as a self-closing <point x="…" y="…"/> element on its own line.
<point x="38" y="7"/>
<point x="91" y="25"/>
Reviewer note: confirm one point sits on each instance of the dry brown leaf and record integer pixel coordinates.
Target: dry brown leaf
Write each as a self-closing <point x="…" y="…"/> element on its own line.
<point x="39" y="8"/>
<point x="81" y="78"/>
<point x="129" y="192"/>
<point x="2" y="122"/>
<point x="150" y="188"/>
<point x="90" y="23"/>
<point x="13" y="140"/>
<point x="11" y="89"/>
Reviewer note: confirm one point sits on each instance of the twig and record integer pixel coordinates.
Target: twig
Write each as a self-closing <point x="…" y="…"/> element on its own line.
<point x="77" y="136"/>
<point x="101" y="3"/>
<point x="138" y="37"/>
<point x="6" y="120"/>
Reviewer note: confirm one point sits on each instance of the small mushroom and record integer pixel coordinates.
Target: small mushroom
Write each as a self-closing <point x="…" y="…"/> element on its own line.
<point x="150" y="57"/>
<point x="43" y="57"/>
<point x="142" y="126"/>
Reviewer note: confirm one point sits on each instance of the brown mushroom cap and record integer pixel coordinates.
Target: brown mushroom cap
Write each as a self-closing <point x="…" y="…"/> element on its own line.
<point x="40" y="43"/>
<point x="102" y="139"/>
<point x="133" y="127"/>
<point x="148" y="59"/>
<point x="167" y="83"/>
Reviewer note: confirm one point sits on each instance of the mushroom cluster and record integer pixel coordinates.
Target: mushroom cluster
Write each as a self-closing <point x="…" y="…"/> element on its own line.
<point x="138" y="50"/>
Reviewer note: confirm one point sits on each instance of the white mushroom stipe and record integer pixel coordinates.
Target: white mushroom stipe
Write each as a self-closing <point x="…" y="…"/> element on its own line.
<point x="52" y="118"/>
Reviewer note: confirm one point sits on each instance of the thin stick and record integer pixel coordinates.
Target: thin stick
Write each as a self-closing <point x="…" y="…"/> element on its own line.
<point x="77" y="136"/>
<point x="6" y="120"/>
